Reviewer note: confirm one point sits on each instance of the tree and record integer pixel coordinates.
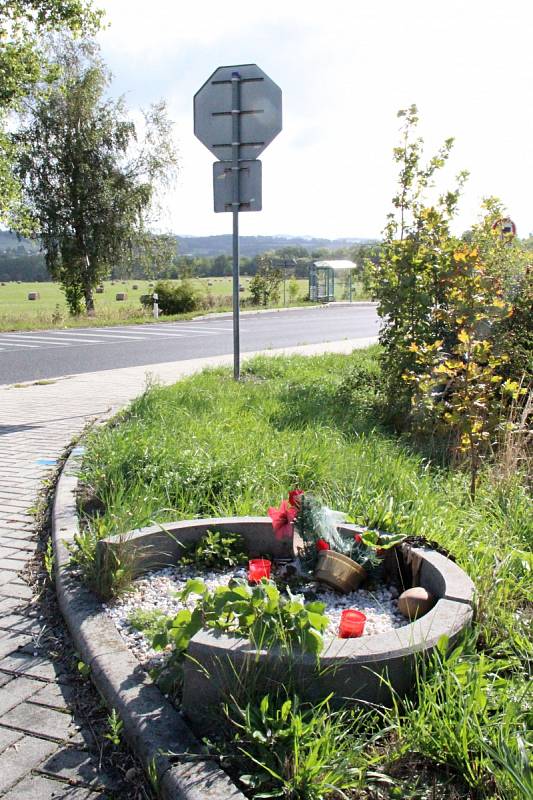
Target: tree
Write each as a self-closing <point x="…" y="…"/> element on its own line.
<point x="265" y="285"/>
<point x="89" y="183"/>
<point x="22" y="65"/>
<point x="415" y="254"/>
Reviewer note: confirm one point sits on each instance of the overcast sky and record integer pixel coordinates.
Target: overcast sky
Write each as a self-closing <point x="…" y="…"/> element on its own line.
<point x="345" y="68"/>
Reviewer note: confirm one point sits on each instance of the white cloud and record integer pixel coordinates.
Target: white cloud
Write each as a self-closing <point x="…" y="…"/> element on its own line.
<point x="345" y="67"/>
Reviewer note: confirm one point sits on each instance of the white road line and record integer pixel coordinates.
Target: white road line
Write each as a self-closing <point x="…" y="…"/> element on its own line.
<point x="112" y="335"/>
<point x="48" y="339"/>
<point x="162" y="333"/>
<point x="18" y="344"/>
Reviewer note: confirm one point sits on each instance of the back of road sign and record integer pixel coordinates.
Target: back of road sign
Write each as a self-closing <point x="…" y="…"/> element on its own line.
<point x="259" y="113"/>
<point x="249" y="177"/>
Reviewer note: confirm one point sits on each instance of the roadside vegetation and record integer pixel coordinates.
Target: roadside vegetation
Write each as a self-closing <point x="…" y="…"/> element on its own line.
<point x="210" y="447"/>
<point x="427" y="435"/>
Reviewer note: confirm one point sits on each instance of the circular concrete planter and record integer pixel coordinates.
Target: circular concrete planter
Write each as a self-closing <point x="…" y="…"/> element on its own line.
<point x="363" y="669"/>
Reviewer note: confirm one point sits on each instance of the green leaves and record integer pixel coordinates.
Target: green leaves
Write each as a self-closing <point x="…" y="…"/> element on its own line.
<point x="216" y="550"/>
<point x="260" y="612"/>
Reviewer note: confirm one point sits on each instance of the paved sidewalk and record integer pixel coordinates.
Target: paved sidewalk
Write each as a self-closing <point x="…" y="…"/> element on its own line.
<point x="42" y="751"/>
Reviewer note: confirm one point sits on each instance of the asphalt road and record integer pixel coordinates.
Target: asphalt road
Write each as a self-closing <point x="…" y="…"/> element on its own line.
<point x="38" y="355"/>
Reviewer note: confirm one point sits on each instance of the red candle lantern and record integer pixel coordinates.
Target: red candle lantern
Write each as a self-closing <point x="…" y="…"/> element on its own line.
<point x="258" y="568"/>
<point x="352" y="624"/>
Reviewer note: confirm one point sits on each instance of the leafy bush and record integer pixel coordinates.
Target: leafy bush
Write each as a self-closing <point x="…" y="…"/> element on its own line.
<point x="173" y="298"/>
<point x="515" y="333"/>
<point x="265" y="285"/>
<point x="216" y="550"/>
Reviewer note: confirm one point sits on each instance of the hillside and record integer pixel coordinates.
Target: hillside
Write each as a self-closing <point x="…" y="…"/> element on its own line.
<point x="255" y="245"/>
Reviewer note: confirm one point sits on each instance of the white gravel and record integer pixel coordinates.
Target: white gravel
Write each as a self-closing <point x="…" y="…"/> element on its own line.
<point x="156" y="591"/>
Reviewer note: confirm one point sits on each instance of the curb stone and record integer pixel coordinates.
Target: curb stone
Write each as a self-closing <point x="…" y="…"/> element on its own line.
<point x="152" y="726"/>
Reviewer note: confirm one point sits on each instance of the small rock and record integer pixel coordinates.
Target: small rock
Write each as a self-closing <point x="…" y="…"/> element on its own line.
<point x="415" y="602"/>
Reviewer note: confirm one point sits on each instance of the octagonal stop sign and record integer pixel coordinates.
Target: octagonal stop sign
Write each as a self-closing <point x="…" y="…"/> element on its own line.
<point x="259" y="112"/>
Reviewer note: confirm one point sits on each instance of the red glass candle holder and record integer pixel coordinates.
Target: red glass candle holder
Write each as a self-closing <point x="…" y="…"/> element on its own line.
<point x="352" y="624"/>
<point x="258" y="568"/>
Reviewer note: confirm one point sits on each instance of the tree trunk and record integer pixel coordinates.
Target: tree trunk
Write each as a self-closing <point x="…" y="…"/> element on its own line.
<point x="88" y="288"/>
<point x="89" y="299"/>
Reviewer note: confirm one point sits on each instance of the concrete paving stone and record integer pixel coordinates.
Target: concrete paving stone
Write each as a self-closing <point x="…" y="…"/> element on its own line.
<point x="11" y="604"/>
<point x="79" y="767"/>
<point x="16" y="691"/>
<point x="32" y="666"/>
<point x="22" y="519"/>
<point x="38" y="787"/>
<point x="20" y="544"/>
<point x="14" y="590"/>
<point x="11" y="641"/>
<point x="22" y="623"/>
<point x="7" y="551"/>
<point x="39" y="720"/>
<point x="14" y="564"/>
<point x="18" y="579"/>
<point x="14" y="533"/>
<point x="54" y="695"/>
<point x="5" y="576"/>
<point x="21" y="757"/>
<point x="8" y="737"/>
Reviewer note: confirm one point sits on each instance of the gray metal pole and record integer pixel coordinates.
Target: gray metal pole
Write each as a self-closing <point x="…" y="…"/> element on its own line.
<point x="235" y="172"/>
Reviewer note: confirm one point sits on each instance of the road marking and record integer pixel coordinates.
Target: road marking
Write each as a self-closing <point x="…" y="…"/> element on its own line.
<point x="18" y="344"/>
<point x="46" y="339"/>
<point x="162" y="333"/>
<point x="99" y="334"/>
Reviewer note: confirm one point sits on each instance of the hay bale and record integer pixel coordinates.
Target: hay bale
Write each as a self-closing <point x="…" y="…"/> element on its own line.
<point x="134" y="286"/>
<point x="34" y="296"/>
<point x="121" y="296"/>
<point x="99" y="290"/>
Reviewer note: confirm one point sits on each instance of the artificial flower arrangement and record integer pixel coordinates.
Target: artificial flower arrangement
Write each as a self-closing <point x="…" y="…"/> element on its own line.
<point x="343" y="559"/>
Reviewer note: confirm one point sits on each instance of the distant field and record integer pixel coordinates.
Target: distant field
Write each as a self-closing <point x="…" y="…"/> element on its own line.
<point x="50" y="310"/>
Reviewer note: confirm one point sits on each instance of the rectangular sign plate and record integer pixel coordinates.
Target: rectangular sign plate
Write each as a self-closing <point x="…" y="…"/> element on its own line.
<point x="249" y="189"/>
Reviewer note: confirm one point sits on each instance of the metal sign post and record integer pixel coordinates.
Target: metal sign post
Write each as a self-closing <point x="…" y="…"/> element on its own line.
<point x="235" y="179"/>
<point x="237" y="113"/>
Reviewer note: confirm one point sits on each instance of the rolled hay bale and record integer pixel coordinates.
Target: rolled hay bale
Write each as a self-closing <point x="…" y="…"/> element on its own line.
<point x="99" y="290"/>
<point x="134" y="286"/>
<point x="34" y="296"/>
<point x="121" y="296"/>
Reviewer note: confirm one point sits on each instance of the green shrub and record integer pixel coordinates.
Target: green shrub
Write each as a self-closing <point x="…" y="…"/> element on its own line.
<point x="216" y="550"/>
<point x="173" y="298"/>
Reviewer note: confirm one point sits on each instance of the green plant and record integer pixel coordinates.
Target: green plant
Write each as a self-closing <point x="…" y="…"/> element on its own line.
<point x="293" y="290"/>
<point x="107" y="572"/>
<point x="216" y="550"/>
<point x="458" y="381"/>
<point x="265" y="285"/>
<point x="49" y="560"/>
<point x="462" y="708"/>
<point x="148" y="622"/>
<point x="416" y="250"/>
<point x="84" y="670"/>
<point x="114" y="728"/>
<point x="173" y="298"/>
<point x="260" y="613"/>
<point x="288" y="749"/>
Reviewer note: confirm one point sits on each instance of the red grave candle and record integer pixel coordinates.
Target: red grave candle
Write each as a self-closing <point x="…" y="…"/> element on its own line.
<point x="258" y="568"/>
<point x="352" y="624"/>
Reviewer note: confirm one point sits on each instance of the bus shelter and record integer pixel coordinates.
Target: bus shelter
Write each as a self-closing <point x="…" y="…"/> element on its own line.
<point x="322" y="277"/>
